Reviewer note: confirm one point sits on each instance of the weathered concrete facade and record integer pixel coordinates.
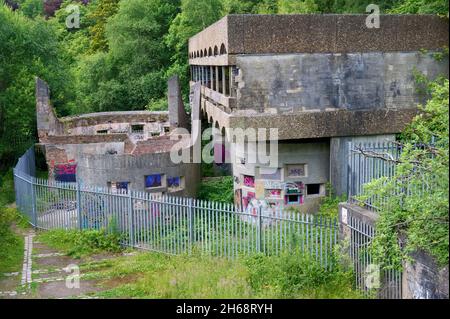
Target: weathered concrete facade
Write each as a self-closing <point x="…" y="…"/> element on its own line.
<point x="323" y="77"/>
<point x="119" y="150"/>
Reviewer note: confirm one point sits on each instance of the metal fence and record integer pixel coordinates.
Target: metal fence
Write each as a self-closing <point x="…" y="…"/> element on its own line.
<point x="172" y="225"/>
<point x="370" y="279"/>
<point x="367" y="162"/>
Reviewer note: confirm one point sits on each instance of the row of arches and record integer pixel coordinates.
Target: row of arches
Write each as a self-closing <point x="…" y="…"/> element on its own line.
<point x="209" y="52"/>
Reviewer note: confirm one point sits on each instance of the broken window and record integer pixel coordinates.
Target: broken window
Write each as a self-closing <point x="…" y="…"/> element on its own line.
<point x="166" y="129"/>
<point x="154" y="133"/>
<point x="118" y="186"/>
<point x="175" y="183"/>
<point x="137" y="128"/>
<point x="102" y="132"/>
<point x="313" y="189"/>
<point x="154" y="180"/>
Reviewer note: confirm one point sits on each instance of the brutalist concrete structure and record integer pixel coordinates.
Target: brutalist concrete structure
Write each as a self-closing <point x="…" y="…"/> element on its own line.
<point x="322" y="81"/>
<point x="119" y="150"/>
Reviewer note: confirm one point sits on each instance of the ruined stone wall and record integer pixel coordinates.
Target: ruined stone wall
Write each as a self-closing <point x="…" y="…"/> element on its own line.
<point x="319" y="81"/>
<point x="100" y="169"/>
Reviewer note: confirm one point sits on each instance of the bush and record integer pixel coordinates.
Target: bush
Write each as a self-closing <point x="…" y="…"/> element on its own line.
<point x="218" y="189"/>
<point x="297" y="275"/>
<point x="11" y="244"/>
<point x="7" y="195"/>
<point x="81" y="243"/>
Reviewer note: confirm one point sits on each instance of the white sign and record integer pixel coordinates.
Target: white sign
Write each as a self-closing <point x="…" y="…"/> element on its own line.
<point x="344" y="215"/>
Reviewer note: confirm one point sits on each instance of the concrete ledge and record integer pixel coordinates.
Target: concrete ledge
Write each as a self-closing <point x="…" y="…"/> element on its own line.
<point x="308" y="33"/>
<point x="300" y="125"/>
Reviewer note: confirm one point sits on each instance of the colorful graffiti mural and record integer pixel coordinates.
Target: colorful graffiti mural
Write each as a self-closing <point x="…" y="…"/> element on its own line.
<point x="65" y="172"/>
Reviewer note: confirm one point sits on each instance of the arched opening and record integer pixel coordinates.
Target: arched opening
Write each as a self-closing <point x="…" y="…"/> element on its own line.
<point x="205" y="53"/>
<point x="223" y="50"/>
<point x="210" y="52"/>
<point x="216" y="51"/>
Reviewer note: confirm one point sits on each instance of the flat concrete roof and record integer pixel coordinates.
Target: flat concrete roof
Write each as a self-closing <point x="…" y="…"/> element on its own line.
<point x="314" y="33"/>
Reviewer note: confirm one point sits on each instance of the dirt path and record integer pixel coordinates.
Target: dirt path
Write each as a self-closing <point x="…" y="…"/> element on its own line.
<point x="49" y="273"/>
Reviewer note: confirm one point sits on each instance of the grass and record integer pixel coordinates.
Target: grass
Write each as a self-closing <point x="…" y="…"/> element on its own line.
<point x="7" y="195"/>
<point x="156" y="275"/>
<point x="11" y="243"/>
<point x="81" y="243"/>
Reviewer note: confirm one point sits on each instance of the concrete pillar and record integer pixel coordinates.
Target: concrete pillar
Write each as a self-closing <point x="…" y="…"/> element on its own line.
<point x="230" y="69"/>
<point x="224" y="81"/>
<point x="211" y="78"/>
<point x="201" y="74"/>
<point x="217" y="79"/>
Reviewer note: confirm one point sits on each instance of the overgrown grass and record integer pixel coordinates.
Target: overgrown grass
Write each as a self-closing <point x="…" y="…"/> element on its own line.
<point x="217" y="189"/>
<point x="329" y="207"/>
<point x="154" y="275"/>
<point x="7" y="195"/>
<point x="11" y="243"/>
<point x="81" y="243"/>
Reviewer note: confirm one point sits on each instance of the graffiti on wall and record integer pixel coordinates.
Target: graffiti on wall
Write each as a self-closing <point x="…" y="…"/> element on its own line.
<point x="64" y="172"/>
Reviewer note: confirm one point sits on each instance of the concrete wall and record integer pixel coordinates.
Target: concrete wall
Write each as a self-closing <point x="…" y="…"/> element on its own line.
<point x="308" y="33"/>
<point x="315" y="154"/>
<point x="320" y="81"/>
<point x="98" y="170"/>
<point x="339" y="153"/>
<point x="424" y="279"/>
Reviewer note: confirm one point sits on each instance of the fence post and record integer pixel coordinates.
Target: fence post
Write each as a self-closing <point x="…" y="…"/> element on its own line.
<point x="130" y="217"/>
<point x="33" y="202"/>
<point x="258" y="230"/>
<point x="191" y="223"/>
<point x="80" y="225"/>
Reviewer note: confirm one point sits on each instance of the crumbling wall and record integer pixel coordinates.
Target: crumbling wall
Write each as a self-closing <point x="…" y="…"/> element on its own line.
<point x="47" y="121"/>
<point x="177" y="113"/>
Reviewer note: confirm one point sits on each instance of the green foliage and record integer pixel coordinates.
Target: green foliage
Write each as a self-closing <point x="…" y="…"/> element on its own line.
<point x="11" y="244"/>
<point x="32" y="8"/>
<point x="218" y="189"/>
<point x="329" y="205"/>
<point x="420" y="216"/>
<point x="7" y="194"/>
<point x="103" y="10"/>
<point x="298" y="275"/>
<point x="297" y="6"/>
<point x="439" y="7"/>
<point x="194" y="16"/>
<point x="81" y="243"/>
<point x="28" y="48"/>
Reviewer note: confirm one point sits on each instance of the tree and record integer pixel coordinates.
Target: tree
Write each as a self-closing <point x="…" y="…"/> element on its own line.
<point x="104" y="9"/>
<point x="28" y="48"/>
<point x="32" y="8"/>
<point x="414" y="202"/>
<point x="195" y="16"/>
<point x="131" y="74"/>
<point x="240" y="6"/>
<point x="297" y="6"/>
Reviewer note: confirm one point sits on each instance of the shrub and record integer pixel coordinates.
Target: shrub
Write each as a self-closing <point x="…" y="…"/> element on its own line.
<point x="218" y="189"/>
<point x="81" y="243"/>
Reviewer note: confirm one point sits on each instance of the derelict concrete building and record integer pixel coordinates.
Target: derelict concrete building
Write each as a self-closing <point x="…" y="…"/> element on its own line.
<point x="322" y="81"/>
<point x="118" y="150"/>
